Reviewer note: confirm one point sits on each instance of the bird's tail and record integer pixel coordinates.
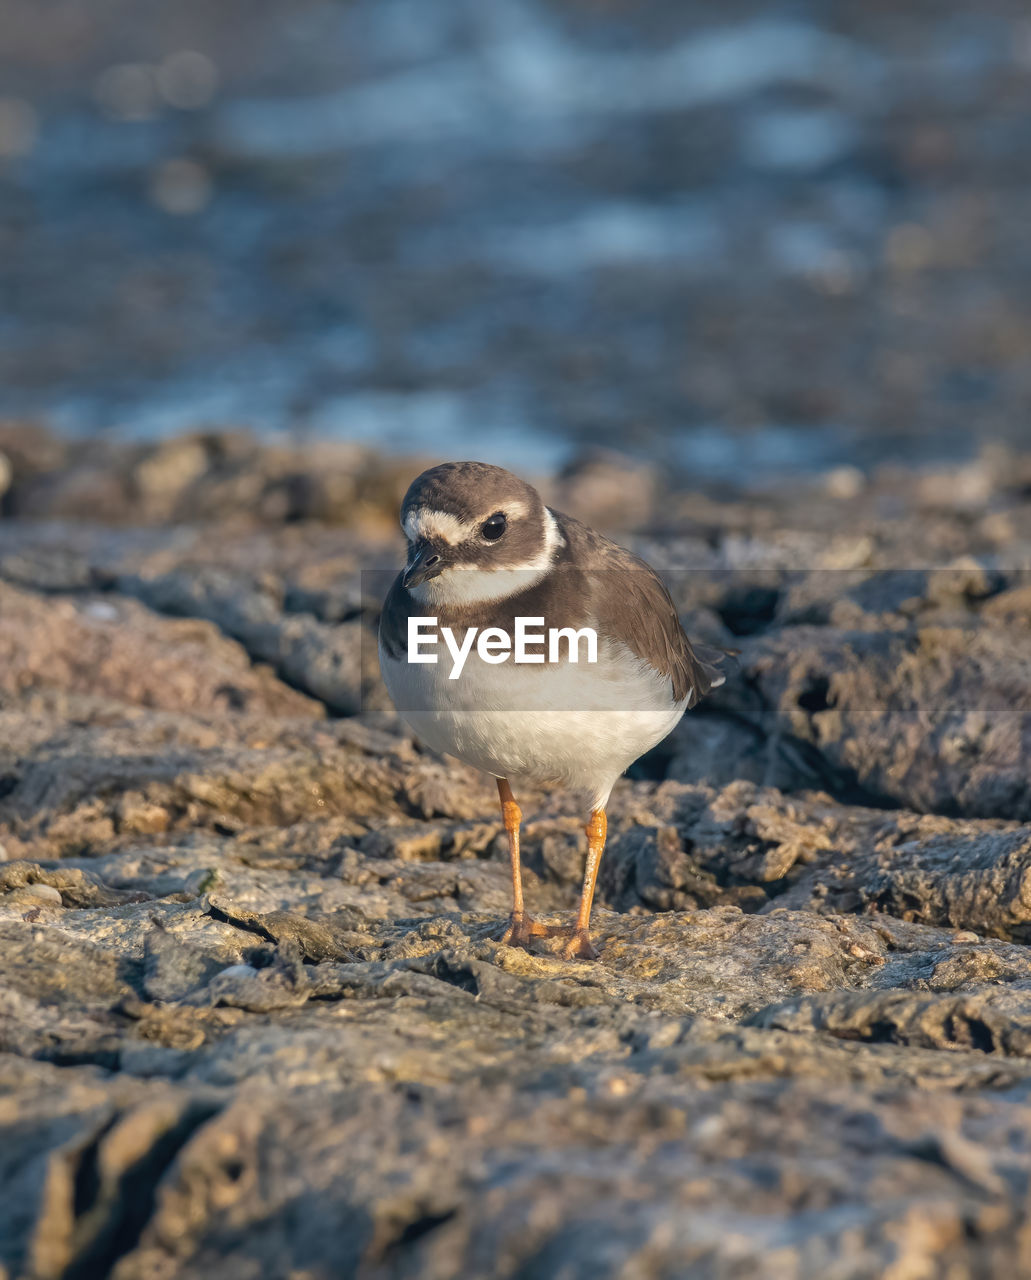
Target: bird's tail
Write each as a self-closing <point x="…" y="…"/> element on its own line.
<point x="713" y="660"/>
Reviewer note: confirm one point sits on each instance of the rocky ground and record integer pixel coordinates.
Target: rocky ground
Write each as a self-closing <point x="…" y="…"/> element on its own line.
<point x="255" y="1019"/>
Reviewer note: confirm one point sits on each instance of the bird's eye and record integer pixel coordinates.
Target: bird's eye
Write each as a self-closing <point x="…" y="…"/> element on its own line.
<point x="493" y="527"/>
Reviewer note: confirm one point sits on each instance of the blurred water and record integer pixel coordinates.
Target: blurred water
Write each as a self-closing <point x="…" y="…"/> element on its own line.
<point x="746" y="238"/>
<point x="524" y="86"/>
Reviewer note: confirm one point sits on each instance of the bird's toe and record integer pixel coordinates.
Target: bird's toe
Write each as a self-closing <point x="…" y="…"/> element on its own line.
<point x="579" y="947"/>
<point x="521" y="928"/>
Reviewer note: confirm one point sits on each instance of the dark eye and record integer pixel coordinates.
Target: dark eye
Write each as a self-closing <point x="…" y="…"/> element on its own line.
<point x="494" y="527"/>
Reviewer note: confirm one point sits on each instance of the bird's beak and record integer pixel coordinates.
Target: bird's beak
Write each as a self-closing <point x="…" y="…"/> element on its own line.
<point x="425" y="563"/>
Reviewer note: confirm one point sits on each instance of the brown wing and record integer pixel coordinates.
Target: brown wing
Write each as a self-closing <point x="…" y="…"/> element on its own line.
<point x="632" y="605"/>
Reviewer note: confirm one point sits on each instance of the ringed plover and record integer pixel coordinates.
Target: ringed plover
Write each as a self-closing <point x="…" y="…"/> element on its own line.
<point x="484" y="551"/>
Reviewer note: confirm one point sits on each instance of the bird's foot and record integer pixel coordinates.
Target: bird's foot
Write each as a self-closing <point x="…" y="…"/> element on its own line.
<point x="579" y="947"/>
<point x="521" y="928"/>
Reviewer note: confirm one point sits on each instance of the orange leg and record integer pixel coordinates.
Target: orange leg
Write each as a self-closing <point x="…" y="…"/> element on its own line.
<point x="579" y="945"/>
<point x="521" y="927"/>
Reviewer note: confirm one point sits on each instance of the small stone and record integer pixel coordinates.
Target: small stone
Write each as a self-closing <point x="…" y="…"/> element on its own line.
<point x="418" y="843"/>
<point x="964" y="936"/>
<point x="145" y="819"/>
<point x="607" y="489"/>
<point x="44" y="891"/>
<point x="844" y="482"/>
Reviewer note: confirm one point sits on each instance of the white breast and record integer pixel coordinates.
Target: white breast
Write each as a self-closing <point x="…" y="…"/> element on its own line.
<point x="575" y="725"/>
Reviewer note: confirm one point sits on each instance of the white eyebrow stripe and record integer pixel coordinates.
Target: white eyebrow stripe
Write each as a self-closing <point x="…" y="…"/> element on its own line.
<point x="426" y="523"/>
<point x="472" y="584"/>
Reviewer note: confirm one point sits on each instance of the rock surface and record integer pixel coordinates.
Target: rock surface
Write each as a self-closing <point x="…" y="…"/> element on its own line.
<point x="255" y="1016"/>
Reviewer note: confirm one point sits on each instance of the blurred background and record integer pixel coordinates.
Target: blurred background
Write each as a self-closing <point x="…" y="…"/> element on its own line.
<point x="739" y="240"/>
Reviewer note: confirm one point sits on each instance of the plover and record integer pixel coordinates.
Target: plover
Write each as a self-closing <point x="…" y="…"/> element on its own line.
<point x="484" y="551"/>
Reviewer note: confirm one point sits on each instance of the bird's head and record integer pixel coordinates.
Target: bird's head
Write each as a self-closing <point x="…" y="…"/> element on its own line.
<point x="475" y="532"/>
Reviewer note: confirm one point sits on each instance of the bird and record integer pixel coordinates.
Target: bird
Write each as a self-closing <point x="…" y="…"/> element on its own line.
<point x="483" y="553"/>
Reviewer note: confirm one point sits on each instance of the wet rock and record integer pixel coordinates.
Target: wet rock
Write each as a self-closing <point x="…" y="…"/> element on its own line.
<point x="69" y="886"/>
<point x="173" y="969"/>
<point x="414" y="1206"/>
<point x="313" y="940"/>
<point x="282" y="985"/>
<point x="935" y="719"/>
<point x="161" y="476"/>
<point x="608" y="490"/>
<point x="30" y="450"/>
<point x="113" y="647"/>
<point x="429" y="841"/>
<point x="337" y="664"/>
<point x="989" y="1020"/>
<point x="252" y="963"/>
<point x="968" y="875"/>
<point x="723" y="1019"/>
<point x="99" y="1185"/>
<point x="220" y="476"/>
<point x="714" y="750"/>
<point x="87" y="791"/>
<point x="649" y="865"/>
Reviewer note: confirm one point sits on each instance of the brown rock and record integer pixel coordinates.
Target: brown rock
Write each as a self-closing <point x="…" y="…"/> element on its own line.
<point x="113" y="647"/>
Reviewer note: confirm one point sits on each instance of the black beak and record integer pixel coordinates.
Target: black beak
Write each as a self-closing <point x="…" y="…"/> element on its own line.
<point x="424" y="564"/>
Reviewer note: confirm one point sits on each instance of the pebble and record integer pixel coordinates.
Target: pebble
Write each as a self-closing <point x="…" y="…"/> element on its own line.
<point x="617" y="1086"/>
<point x="964" y="935"/>
<point x="845" y="482"/>
<point x="45" y="891"/>
<point x="239" y="971"/>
